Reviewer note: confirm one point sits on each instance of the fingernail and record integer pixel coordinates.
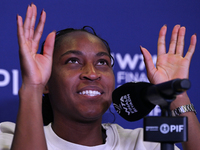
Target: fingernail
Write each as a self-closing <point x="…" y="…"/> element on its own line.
<point x="195" y="34"/>
<point x="54" y="32"/>
<point x="165" y="25"/>
<point x="141" y="49"/>
<point x="42" y="11"/>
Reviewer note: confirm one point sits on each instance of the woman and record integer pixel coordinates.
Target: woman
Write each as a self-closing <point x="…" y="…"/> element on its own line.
<point x="77" y="75"/>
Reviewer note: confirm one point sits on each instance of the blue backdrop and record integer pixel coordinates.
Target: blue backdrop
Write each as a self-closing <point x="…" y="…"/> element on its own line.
<point x="124" y="24"/>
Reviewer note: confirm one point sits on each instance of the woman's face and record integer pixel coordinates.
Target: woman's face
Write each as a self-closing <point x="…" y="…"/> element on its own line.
<point x="82" y="79"/>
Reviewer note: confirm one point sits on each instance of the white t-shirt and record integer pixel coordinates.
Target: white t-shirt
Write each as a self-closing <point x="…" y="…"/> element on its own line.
<point x="118" y="138"/>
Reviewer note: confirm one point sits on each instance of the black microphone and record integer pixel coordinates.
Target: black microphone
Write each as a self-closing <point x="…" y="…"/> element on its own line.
<point x="135" y="100"/>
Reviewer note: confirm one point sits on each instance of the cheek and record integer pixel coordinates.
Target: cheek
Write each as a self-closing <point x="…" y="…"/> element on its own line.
<point x="110" y="80"/>
<point x="109" y="85"/>
<point x="62" y="80"/>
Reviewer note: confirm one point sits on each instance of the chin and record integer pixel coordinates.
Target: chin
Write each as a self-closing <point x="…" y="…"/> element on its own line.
<point x="93" y="112"/>
<point x="93" y="115"/>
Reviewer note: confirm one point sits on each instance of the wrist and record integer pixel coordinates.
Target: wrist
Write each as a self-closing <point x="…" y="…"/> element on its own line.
<point x="31" y="93"/>
<point x="181" y="99"/>
<point x="30" y="87"/>
<point x="183" y="109"/>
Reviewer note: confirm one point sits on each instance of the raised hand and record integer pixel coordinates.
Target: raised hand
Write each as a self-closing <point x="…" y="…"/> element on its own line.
<point x="36" y="68"/>
<point x="171" y="64"/>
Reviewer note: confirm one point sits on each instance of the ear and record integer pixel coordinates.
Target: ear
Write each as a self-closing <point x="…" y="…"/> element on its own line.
<point x="46" y="90"/>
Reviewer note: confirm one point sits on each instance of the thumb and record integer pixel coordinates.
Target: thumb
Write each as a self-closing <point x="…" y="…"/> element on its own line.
<point x="49" y="45"/>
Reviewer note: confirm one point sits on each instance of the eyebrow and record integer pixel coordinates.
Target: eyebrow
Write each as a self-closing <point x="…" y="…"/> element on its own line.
<point x="103" y="54"/>
<point x="76" y="52"/>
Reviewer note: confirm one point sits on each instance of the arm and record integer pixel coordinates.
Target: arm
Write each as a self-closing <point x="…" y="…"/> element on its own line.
<point x="171" y="65"/>
<point x="36" y="70"/>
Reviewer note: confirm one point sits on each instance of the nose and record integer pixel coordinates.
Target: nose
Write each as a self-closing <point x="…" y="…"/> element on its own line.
<point x="89" y="72"/>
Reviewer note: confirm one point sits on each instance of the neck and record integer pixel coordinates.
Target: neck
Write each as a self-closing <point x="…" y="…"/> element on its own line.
<point x="83" y="133"/>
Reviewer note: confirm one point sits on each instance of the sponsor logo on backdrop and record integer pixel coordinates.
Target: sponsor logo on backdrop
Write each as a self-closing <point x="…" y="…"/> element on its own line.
<point x="7" y="78"/>
<point x="131" y="68"/>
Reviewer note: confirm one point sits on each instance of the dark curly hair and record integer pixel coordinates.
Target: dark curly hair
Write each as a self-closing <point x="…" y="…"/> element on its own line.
<point x="47" y="111"/>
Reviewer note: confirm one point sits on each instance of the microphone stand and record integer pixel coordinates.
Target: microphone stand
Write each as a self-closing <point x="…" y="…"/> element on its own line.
<point x="165" y="129"/>
<point x="166" y="112"/>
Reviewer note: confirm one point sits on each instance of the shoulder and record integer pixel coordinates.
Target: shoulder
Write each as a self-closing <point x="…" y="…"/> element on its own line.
<point x="125" y="134"/>
<point x="7" y="127"/>
<point x="6" y="134"/>
<point x="130" y="138"/>
<point x="122" y="131"/>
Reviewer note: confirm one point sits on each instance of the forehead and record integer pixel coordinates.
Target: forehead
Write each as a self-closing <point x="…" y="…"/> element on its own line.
<point x="80" y="40"/>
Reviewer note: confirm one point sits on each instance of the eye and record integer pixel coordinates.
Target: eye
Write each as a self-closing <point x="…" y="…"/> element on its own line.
<point x="72" y="61"/>
<point x="102" y="62"/>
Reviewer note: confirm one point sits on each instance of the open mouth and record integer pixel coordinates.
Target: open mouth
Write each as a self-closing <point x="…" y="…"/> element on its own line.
<point x="90" y="93"/>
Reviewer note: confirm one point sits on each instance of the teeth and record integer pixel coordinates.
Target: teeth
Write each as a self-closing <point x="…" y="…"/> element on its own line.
<point x="90" y="93"/>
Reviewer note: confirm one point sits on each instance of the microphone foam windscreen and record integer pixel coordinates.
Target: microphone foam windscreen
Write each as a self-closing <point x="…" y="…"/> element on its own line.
<point x="129" y="101"/>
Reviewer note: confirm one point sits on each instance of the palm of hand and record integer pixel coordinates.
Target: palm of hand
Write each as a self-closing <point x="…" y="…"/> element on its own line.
<point x="168" y="67"/>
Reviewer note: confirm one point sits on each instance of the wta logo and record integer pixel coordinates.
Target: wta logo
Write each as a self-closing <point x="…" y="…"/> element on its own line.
<point x="131" y="68"/>
<point x="126" y="104"/>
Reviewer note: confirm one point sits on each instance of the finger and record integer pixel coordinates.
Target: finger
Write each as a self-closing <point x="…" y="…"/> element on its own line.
<point x="21" y="40"/>
<point x="49" y="45"/>
<point x="161" y="41"/>
<point x="39" y="30"/>
<point x="148" y="62"/>
<point x="27" y="22"/>
<point x="20" y="31"/>
<point x="180" y="41"/>
<point x="33" y="19"/>
<point x="173" y="40"/>
<point x="191" y="48"/>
